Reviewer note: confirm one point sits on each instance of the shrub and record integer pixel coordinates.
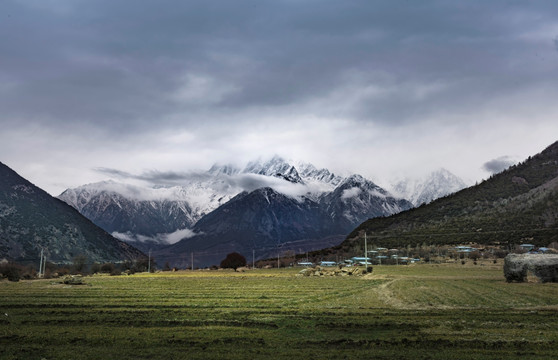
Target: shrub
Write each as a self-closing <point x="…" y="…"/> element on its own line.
<point x="79" y="264"/>
<point x="107" y="268"/>
<point x="62" y="271"/>
<point x="11" y="271"/>
<point x="95" y="268"/>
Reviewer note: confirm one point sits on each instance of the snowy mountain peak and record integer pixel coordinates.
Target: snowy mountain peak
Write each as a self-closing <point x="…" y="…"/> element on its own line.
<point x="310" y="173"/>
<point x="276" y="167"/>
<point x="438" y="183"/>
<point x="228" y="169"/>
<point x="357" y="180"/>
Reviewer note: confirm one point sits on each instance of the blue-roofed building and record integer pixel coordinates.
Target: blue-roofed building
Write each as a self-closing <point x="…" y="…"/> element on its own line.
<point x="527" y="247"/>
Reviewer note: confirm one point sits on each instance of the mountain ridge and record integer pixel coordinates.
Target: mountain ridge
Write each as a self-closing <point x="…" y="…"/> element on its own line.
<point x="317" y="195"/>
<point x="517" y="205"/>
<point x="31" y="219"/>
<point x="134" y="213"/>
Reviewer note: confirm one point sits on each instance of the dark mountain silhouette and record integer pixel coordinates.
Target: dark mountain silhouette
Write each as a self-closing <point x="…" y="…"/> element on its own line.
<point x="262" y="220"/>
<point x="31" y="220"/>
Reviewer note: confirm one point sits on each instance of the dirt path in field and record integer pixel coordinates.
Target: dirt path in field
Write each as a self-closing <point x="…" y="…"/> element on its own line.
<point x="386" y="295"/>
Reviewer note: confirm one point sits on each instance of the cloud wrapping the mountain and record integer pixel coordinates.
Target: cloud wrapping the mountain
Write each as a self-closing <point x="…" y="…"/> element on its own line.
<point x="498" y="165"/>
<point x="222" y="183"/>
<point x="164" y="238"/>
<point x="368" y="86"/>
<point x="350" y="193"/>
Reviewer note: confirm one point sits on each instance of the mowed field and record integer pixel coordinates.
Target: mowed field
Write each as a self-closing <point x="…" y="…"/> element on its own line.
<point x="447" y="311"/>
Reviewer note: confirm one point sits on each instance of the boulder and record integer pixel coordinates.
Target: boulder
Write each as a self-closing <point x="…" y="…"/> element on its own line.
<point x="543" y="266"/>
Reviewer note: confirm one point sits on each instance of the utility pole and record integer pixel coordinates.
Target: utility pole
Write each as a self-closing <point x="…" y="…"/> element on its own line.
<point x="192" y="261"/>
<point x="41" y="264"/>
<point x="44" y="264"/>
<point x="253" y="259"/>
<point x="365" y="253"/>
<point x="149" y="262"/>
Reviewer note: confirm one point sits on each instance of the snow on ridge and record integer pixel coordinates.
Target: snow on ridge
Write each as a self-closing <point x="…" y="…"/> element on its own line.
<point x="438" y="183"/>
<point x="377" y="193"/>
<point x="206" y="191"/>
<point x="132" y="192"/>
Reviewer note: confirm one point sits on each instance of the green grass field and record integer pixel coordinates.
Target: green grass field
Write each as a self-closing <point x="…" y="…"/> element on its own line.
<point x="416" y="312"/>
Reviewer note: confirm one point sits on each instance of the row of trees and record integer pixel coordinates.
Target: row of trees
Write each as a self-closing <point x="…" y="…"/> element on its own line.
<point x="80" y="265"/>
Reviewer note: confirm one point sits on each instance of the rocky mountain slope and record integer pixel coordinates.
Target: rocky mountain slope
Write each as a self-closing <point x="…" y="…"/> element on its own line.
<point x="30" y="219"/>
<point x="263" y="220"/>
<point x="357" y="198"/>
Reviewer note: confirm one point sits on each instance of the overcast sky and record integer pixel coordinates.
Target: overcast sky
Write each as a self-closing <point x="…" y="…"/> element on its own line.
<point x="381" y="88"/>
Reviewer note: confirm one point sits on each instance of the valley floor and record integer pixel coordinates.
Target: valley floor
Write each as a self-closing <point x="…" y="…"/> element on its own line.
<point x="417" y="312"/>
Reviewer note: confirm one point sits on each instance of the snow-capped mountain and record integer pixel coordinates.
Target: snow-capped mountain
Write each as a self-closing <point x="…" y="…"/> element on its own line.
<point x="262" y="220"/>
<point x="132" y="213"/>
<point x="437" y="184"/>
<point x="266" y="220"/>
<point x="152" y="216"/>
<point x="357" y="199"/>
<point x="203" y="204"/>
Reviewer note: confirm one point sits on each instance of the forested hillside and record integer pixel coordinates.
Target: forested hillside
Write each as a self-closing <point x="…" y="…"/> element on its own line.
<point x="518" y="205"/>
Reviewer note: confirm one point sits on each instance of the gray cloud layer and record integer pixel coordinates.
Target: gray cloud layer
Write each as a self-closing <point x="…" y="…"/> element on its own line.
<point x="131" y="65"/>
<point x="224" y="77"/>
<point x="222" y="183"/>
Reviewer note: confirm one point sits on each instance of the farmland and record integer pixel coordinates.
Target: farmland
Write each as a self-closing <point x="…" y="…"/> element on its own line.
<point x="418" y="311"/>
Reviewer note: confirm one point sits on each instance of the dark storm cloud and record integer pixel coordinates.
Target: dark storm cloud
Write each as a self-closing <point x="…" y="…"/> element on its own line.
<point x="498" y="165"/>
<point x="128" y="66"/>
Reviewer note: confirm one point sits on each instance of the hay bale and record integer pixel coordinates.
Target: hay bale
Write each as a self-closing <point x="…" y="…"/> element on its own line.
<point x="543" y="266"/>
<point x="323" y="271"/>
<point x="305" y="272"/>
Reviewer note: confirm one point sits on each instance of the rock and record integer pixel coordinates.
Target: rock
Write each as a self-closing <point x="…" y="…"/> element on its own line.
<point x="543" y="266"/>
<point x="73" y="280"/>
